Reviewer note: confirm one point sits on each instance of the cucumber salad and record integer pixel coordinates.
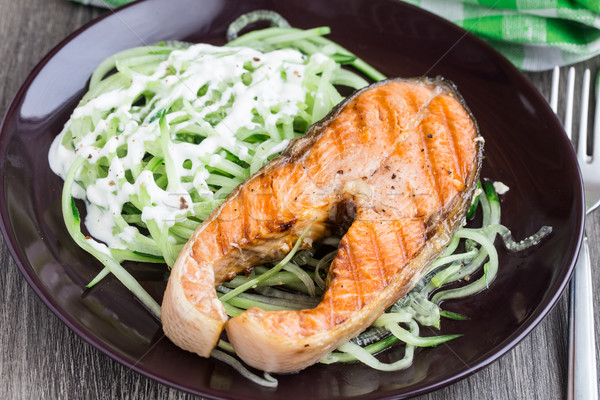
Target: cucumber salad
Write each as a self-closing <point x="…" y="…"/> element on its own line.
<point x="167" y="131"/>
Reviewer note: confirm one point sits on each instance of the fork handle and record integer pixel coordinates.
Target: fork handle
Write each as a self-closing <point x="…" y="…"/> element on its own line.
<point x="583" y="378"/>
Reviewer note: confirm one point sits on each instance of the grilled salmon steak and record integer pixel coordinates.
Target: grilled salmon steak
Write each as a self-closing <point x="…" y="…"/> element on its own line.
<point x="396" y="164"/>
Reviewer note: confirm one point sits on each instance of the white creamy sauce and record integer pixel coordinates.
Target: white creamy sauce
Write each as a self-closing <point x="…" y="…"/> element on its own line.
<point x="500" y="187"/>
<point x="273" y="93"/>
<point x="101" y="247"/>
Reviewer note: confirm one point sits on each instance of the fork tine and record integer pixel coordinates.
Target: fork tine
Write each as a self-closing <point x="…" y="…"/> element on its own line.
<point x="569" y="111"/>
<point x="554" y="91"/>
<point x="596" y="134"/>
<point x="583" y="120"/>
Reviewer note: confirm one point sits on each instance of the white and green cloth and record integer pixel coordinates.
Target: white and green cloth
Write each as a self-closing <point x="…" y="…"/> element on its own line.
<point x="533" y="34"/>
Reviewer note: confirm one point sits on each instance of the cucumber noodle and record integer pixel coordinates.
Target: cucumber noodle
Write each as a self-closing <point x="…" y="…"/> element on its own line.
<point x="167" y="131"/>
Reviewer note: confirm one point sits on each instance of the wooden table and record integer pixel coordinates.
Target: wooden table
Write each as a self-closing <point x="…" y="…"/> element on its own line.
<point x="40" y="358"/>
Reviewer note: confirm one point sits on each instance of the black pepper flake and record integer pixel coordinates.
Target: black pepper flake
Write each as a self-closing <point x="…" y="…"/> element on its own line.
<point x="422" y="150"/>
<point x="340" y="172"/>
<point x="256" y="59"/>
<point x="430" y="136"/>
<point x="449" y="172"/>
<point x="306" y="345"/>
<point x="182" y="203"/>
<point x="393" y="176"/>
<point x="387" y="167"/>
<point x="252" y="190"/>
<point x="393" y="187"/>
<point x="364" y="178"/>
<point x="89" y="156"/>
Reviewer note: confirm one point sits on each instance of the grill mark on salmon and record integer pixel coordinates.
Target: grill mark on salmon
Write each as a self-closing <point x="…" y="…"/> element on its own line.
<point x="456" y="126"/>
<point x="449" y="137"/>
<point x="379" y="257"/>
<point x="430" y="166"/>
<point x="375" y="138"/>
<point x="401" y="245"/>
<point x="417" y="180"/>
<point x="444" y="162"/>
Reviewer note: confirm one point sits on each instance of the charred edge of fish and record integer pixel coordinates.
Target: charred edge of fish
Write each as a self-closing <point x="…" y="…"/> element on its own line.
<point x="285" y="226"/>
<point x="344" y="214"/>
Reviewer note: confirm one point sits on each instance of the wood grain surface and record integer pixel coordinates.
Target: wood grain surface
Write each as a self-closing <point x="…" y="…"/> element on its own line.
<point x="40" y="358"/>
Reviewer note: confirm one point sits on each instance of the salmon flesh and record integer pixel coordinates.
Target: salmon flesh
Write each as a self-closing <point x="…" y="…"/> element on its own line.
<point x="396" y="164"/>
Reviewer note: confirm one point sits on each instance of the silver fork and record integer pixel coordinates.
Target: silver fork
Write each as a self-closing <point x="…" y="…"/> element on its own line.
<point x="582" y="378"/>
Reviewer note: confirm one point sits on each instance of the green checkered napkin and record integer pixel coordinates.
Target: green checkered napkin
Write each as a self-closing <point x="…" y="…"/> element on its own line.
<point x="533" y="34"/>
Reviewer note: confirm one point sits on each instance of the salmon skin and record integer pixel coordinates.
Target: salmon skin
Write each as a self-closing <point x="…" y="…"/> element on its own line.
<point x="396" y="164"/>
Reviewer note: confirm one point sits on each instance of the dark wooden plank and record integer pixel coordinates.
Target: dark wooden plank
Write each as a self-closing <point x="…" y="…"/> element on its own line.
<point x="41" y="358"/>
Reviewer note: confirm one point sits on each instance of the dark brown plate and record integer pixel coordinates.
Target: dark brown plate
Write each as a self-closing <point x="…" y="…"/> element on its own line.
<point x="525" y="148"/>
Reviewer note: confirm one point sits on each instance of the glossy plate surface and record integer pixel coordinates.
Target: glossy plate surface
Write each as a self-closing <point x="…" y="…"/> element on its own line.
<point x="525" y="148"/>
